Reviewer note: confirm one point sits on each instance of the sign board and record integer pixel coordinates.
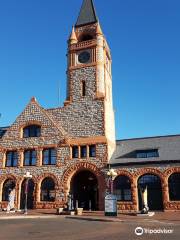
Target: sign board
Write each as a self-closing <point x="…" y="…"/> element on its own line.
<point x="110" y="205"/>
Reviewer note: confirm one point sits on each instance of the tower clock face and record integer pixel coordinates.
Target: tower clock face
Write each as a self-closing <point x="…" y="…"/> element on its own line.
<point x="84" y="57"/>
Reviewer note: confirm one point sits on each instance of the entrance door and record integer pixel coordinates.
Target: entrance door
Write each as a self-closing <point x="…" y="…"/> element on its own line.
<point x="30" y="197"/>
<point x="154" y="191"/>
<point x="84" y="190"/>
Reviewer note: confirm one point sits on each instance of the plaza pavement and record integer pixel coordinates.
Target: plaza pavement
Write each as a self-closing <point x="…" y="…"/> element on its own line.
<point x="46" y="225"/>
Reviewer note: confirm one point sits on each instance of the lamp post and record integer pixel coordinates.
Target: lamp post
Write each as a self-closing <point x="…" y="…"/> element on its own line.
<point x="27" y="176"/>
<point x="112" y="174"/>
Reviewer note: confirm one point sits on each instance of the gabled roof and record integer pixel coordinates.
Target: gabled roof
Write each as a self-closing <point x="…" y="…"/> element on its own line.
<point x="87" y="14"/>
<point x="126" y="150"/>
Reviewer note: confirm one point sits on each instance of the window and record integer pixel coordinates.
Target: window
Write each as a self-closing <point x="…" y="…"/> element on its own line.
<point x="174" y="187"/>
<point x="48" y="190"/>
<point x="147" y="153"/>
<point x="75" y="152"/>
<point x="92" y="151"/>
<point x="32" y="131"/>
<point x="8" y="185"/>
<point x="83" y="151"/>
<point x="30" y="158"/>
<point x="83" y="89"/>
<point x="122" y="188"/>
<point x="11" y="159"/>
<point x="86" y="37"/>
<point x="49" y="156"/>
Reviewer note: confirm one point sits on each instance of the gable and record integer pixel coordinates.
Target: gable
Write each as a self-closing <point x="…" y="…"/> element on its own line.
<point x="34" y="114"/>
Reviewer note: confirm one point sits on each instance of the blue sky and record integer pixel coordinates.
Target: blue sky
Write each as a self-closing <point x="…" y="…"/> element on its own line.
<point x="144" y="37"/>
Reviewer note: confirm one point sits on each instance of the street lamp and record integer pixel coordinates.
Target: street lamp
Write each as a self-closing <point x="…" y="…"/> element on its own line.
<point x="27" y="176"/>
<point x="112" y="174"/>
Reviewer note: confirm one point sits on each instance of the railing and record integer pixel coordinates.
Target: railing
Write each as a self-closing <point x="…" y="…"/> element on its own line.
<point x="83" y="44"/>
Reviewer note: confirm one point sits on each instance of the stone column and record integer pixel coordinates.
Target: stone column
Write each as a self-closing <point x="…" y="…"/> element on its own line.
<point x="3" y="157"/>
<point x="20" y="157"/>
<point x="134" y="196"/>
<point x="165" y="193"/>
<point x="39" y="157"/>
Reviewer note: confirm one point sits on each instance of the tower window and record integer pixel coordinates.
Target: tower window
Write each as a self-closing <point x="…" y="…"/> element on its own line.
<point x="92" y="151"/>
<point x="32" y="131"/>
<point x="83" y="152"/>
<point x="86" y="37"/>
<point x="83" y="89"/>
<point x="75" y="152"/>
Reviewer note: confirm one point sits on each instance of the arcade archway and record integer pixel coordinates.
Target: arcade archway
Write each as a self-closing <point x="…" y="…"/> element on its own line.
<point x="154" y="191"/>
<point x="30" y="197"/>
<point x="84" y="190"/>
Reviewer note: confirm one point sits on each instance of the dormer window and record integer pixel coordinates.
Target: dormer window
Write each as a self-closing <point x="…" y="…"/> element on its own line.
<point x="32" y="131"/>
<point x="149" y="153"/>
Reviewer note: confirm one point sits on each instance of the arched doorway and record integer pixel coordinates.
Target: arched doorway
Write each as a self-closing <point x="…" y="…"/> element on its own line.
<point x="154" y="191"/>
<point x="84" y="190"/>
<point x="30" y="197"/>
<point x="8" y="185"/>
<point x="174" y="187"/>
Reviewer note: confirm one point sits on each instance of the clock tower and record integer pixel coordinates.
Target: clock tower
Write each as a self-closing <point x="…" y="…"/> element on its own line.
<point x="89" y="77"/>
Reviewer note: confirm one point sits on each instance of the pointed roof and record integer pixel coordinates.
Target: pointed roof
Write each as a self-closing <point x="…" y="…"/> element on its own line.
<point x="87" y="14"/>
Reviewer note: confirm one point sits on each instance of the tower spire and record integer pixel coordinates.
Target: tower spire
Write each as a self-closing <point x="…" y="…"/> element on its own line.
<point x="87" y="14"/>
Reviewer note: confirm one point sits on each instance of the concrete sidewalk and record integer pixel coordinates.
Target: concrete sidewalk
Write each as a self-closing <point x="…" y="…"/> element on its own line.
<point x="173" y="217"/>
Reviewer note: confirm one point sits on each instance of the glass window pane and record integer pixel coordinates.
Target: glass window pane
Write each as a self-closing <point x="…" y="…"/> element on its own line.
<point x="75" y="152"/>
<point x="92" y="151"/>
<point x="83" y="152"/>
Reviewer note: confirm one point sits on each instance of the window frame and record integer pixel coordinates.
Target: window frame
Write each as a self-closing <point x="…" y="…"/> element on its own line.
<point x="149" y="153"/>
<point x="13" y="157"/>
<point x="47" y="192"/>
<point x="123" y="189"/>
<point x="91" y="146"/>
<point x="31" y="131"/>
<point x="31" y="151"/>
<point x="83" y="154"/>
<point x="50" y="156"/>
<point x="75" y="154"/>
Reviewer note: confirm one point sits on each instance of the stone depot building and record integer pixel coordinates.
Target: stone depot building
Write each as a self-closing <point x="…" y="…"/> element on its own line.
<point x="69" y="149"/>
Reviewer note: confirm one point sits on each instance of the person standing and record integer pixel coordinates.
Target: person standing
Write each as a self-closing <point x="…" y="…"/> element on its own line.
<point x="11" y="199"/>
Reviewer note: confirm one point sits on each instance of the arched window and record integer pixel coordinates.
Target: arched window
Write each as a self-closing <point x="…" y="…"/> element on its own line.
<point x="174" y="187"/>
<point x="122" y="188"/>
<point x="8" y="185"/>
<point x="48" y="190"/>
<point x="32" y="131"/>
<point x="86" y="37"/>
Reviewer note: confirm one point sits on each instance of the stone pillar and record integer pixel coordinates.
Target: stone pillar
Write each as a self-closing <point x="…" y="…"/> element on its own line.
<point x="135" y="199"/>
<point x="79" y="152"/>
<point x="20" y="158"/>
<point x="87" y="151"/>
<point x="165" y="193"/>
<point x="3" y="155"/>
<point x="39" y="157"/>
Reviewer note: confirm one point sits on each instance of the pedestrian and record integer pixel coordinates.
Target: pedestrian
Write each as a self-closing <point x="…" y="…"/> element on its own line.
<point x="11" y="199"/>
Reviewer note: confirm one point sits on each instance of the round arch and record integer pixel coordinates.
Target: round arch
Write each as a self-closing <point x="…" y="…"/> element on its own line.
<point x="73" y="169"/>
<point x="39" y="183"/>
<point x="153" y="185"/>
<point x="174" y="186"/>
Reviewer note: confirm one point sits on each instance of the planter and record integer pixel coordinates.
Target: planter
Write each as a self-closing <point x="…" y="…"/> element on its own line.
<point x="59" y="211"/>
<point x="79" y="211"/>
